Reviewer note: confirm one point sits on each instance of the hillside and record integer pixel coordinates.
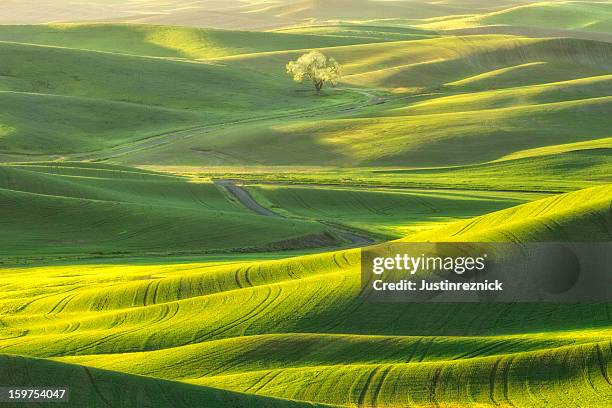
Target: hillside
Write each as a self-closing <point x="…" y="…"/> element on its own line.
<point x="568" y="15"/>
<point x="432" y="89"/>
<point x="394" y="212"/>
<point x="586" y="164"/>
<point x="215" y="324"/>
<point x="544" y="92"/>
<point x="181" y="224"/>
<point x="98" y="388"/>
<point x="118" y="211"/>
<point x="82" y="100"/>
<point x="579" y="216"/>
<point x="232" y="14"/>
<point x="172" y="42"/>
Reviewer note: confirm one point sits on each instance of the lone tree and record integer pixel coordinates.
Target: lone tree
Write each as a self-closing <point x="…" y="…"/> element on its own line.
<point x="317" y="68"/>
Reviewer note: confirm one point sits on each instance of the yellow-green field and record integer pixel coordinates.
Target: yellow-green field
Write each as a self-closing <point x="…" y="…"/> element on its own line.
<point x="297" y="328"/>
<point x="180" y="223"/>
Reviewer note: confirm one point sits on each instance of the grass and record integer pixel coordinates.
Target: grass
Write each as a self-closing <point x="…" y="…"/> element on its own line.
<point x="50" y="124"/>
<point x="351" y="360"/>
<point x="549" y="169"/>
<point x="379" y="384"/>
<point x="393" y="212"/>
<point x="173" y="42"/>
<point x="586" y="168"/>
<point x="98" y="388"/>
<point x="231" y="14"/>
<point x="145" y="288"/>
<point x="362" y="30"/>
<point x="420" y="140"/>
<point x="115" y="211"/>
<point x="61" y="87"/>
<point x="460" y="83"/>
<point x="265" y="117"/>
<point x="215" y="324"/>
<point x="572" y="15"/>
<point x="578" y="216"/>
<point x="550" y="92"/>
<point x="431" y="63"/>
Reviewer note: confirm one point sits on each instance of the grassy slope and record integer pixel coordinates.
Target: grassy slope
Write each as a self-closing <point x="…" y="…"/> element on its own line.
<point x="563" y="167"/>
<point x="579" y="216"/>
<point x="574" y="91"/>
<point x="427" y="140"/>
<point x="551" y="168"/>
<point x="63" y="87"/>
<point x="200" y="313"/>
<point x="547" y="92"/>
<point x="384" y="210"/>
<point x="434" y="62"/>
<point x="71" y="210"/>
<point x="431" y="140"/>
<point x="350" y="369"/>
<point x="551" y="92"/>
<point x="37" y="123"/>
<point x="362" y="30"/>
<point x="232" y="14"/>
<point x="571" y="15"/>
<point x="172" y="42"/>
<point x="304" y="10"/>
<point x="98" y="388"/>
<point x="220" y="321"/>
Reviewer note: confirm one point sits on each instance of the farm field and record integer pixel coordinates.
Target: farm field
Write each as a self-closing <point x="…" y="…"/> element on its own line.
<point x="167" y="328"/>
<point x="124" y="211"/>
<point x="181" y="224"/>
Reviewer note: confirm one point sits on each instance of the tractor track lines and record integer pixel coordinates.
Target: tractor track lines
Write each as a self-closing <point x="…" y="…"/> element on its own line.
<point x="272" y="375"/>
<point x="160" y="140"/>
<point x="492" y="378"/>
<point x="376" y="393"/>
<point x="262" y="305"/>
<point x="96" y="389"/>
<point x="602" y="364"/>
<point x="433" y="385"/>
<point x="361" y="401"/>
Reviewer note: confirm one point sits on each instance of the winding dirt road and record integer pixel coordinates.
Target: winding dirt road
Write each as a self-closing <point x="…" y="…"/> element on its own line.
<point x="246" y="199"/>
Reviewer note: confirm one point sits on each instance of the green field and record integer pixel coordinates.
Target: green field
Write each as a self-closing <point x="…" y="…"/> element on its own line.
<point x="215" y="323"/>
<point x="391" y="211"/>
<point x="121" y="211"/>
<point x="570" y="15"/>
<point x="180" y="224"/>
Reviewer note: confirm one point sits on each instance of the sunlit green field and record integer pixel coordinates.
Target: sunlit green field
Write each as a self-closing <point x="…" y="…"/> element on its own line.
<point x="180" y="223"/>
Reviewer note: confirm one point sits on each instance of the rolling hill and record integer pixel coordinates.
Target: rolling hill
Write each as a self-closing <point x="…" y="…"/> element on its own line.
<point x="544" y="92"/>
<point x="179" y="220"/>
<point x="174" y="42"/>
<point x="232" y="14"/>
<point x="569" y="15"/>
<point x="428" y="140"/>
<point x="580" y="216"/>
<point x="587" y="164"/>
<point x="98" y="388"/>
<point x="388" y="211"/>
<point x="562" y="82"/>
<point x="431" y="63"/>
<point x="215" y="323"/>
<point x="86" y="210"/>
<point x="91" y="99"/>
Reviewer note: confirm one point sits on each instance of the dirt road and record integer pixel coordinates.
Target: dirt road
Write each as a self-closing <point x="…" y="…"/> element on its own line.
<point x="246" y="199"/>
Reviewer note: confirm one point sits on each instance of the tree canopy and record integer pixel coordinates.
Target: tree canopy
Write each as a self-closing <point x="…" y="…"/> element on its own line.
<point x="317" y="68"/>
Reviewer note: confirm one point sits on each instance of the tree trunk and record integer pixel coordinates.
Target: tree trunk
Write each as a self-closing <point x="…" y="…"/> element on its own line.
<point x="318" y="86"/>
